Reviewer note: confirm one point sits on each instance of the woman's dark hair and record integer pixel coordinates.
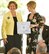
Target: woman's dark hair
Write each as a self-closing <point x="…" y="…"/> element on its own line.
<point x="13" y="3"/>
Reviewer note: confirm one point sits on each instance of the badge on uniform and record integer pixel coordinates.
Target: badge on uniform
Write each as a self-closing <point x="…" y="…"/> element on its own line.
<point x="8" y="17"/>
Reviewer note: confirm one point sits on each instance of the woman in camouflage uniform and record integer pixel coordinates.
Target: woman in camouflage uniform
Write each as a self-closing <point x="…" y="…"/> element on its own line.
<point x="34" y="27"/>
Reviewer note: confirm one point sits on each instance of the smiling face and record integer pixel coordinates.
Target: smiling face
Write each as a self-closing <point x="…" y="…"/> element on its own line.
<point x="12" y="7"/>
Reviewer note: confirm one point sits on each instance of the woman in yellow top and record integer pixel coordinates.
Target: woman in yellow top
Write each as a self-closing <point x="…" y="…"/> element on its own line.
<point x="9" y="28"/>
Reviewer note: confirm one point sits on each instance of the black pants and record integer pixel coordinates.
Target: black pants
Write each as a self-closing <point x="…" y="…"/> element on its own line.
<point x="47" y="47"/>
<point x="13" y="41"/>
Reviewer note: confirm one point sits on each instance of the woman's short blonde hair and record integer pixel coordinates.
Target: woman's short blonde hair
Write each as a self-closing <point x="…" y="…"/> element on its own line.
<point x="13" y="3"/>
<point x="31" y="4"/>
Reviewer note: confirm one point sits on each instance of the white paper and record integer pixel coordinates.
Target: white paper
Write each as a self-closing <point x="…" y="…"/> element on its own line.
<point x="23" y="28"/>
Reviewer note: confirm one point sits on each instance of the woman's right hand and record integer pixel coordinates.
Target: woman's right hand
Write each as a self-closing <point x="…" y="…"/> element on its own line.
<point x="5" y="41"/>
<point x="33" y="25"/>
